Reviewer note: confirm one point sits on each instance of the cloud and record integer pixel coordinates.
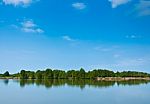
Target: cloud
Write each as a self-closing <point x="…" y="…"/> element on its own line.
<point x="132" y="62"/>
<point x="106" y="48"/>
<point x="23" y="3"/>
<point x="79" y="6"/>
<point x="143" y="8"/>
<point x="103" y="49"/>
<point x="28" y="24"/>
<point x="68" y="38"/>
<point x="116" y="3"/>
<point x="30" y="27"/>
<point x="72" y="42"/>
<point x="133" y="36"/>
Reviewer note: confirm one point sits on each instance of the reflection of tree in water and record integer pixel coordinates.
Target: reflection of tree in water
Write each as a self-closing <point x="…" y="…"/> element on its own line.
<point x="93" y="83"/>
<point x="132" y="82"/>
<point x="79" y="83"/>
<point x="6" y="81"/>
<point x="26" y="82"/>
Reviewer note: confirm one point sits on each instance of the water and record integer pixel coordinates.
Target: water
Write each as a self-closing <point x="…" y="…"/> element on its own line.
<point x="73" y="92"/>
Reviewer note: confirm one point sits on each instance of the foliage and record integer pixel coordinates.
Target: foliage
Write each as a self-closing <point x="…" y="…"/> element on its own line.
<point x="73" y="74"/>
<point x="6" y="74"/>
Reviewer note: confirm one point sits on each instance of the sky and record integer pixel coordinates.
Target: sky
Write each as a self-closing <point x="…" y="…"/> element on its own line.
<point x="70" y="34"/>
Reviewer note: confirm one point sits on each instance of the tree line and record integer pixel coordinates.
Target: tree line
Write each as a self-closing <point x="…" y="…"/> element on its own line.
<point x="72" y="74"/>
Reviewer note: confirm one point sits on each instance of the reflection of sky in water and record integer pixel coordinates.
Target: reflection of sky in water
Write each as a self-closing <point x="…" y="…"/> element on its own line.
<point x="12" y="93"/>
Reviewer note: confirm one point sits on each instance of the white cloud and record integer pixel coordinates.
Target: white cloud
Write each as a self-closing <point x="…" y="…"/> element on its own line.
<point x="68" y="38"/>
<point x="132" y="62"/>
<point x="39" y="30"/>
<point x="116" y="3"/>
<point x="17" y="2"/>
<point x="143" y="8"/>
<point x="30" y="27"/>
<point x="72" y="42"/>
<point x="133" y="36"/>
<point x="103" y="49"/>
<point x="106" y="48"/>
<point x="79" y="6"/>
<point x="31" y="30"/>
<point x="28" y="24"/>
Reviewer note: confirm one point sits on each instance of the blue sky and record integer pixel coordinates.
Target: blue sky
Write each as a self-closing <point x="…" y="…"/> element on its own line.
<point x="69" y="34"/>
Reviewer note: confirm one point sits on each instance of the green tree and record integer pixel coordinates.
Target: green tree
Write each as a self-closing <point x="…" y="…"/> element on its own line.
<point x="82" y="73"/>
<point x="6" y="74"/>
<point x="23" y="75"/>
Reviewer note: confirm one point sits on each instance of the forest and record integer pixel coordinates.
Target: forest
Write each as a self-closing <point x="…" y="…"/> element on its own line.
<point x="71" y="74"/>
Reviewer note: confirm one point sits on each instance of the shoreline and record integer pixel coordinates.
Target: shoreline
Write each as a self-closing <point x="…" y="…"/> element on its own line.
<point x="121" y="78"/>
<point x="97" y="79"/>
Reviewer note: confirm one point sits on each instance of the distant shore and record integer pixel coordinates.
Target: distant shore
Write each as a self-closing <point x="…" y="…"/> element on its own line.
<point x="97" y="79"/>
<point x="96" y="74"/>
<point x="121" y="78"/>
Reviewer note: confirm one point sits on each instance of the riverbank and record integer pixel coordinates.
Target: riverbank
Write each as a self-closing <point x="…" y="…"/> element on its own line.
<point x="97" y="79"/>
<point x="121" y="78"/>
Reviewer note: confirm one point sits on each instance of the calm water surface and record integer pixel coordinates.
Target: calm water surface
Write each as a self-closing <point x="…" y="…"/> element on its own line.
<point x="73" y="92"/>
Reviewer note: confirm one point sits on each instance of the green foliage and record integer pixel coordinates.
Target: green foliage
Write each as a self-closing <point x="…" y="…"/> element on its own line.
<point x="73" y="74"/>
<point x="6" y="74"/>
